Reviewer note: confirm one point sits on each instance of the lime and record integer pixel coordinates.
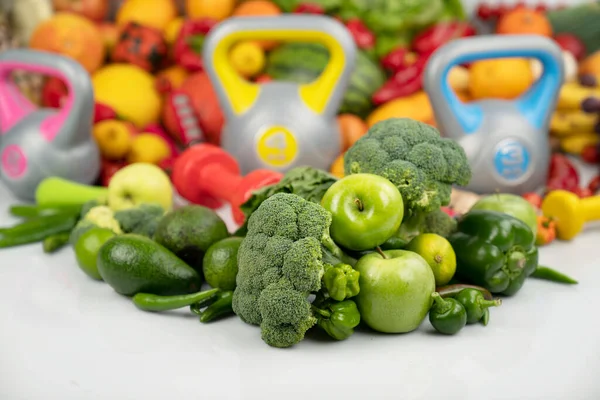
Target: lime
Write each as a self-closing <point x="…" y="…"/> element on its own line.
<point x="87" y="247"/>
<point x="220" y="263"/>
<point x="438" y="253"/>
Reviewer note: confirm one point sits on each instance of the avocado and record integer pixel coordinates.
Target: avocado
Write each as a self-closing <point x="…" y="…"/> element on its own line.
<point x="133" y="264"/>
<point x="189" y="231"/>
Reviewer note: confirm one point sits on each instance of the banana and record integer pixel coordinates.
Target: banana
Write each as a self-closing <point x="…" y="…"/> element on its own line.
<point x="572" y="94"/>
<point x="575" y="144"/>
<point x="566" y="123"/>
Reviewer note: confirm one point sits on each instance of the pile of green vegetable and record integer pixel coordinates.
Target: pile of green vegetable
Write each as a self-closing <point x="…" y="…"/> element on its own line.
<point x="316" y="252"/>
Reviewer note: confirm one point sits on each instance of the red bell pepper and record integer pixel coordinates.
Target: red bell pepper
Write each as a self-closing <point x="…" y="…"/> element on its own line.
<point x="432" y="38"/>
<point x="364" y="38"/>
<point x="398" y="59"/>
<point x="594" y="184"/>
<point x="562" y="174"/>
<point x="309" y="8"/>
<point x="187" y="50"/>
<point x="103" y="112"/>
<point x="403" y="83"/>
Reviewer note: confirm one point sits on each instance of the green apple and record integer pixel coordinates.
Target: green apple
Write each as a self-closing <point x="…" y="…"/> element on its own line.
<point x="366" y="210"/>
<point x="139" y="183"/>
<point x="510" y="204"/>
<point x="395" y="290"/>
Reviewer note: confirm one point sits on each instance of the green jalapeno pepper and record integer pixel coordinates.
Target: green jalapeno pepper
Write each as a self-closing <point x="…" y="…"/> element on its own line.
<point x="337" y="319"/>
<point x="476" y="306"/>
<point x="447" y="316"/>
<point x="55" y="242"/>
<point x="550" y="274"/>
<point x="152" y="302"/>
<point x="494" y="250"/>
<point x="341" y="281"/>
<point x="220" y="307"/>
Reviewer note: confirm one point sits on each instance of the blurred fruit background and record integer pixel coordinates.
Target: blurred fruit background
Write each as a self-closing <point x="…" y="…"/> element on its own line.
<point x="153" y="97"/>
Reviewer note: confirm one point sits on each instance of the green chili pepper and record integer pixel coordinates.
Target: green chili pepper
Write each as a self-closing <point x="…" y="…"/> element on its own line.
<point x="222" y="306"/>
<point x="454" y="289"/>
<point x="447" y="316"/>
<point x="36" y="230"/>
<point x="35" y="211"/>
<point x="494" y="250"/>
<point x="476" y="305"/>
<point x="55" y="242"/>
<point x="550" y="274"/>
<point x="152" y="302"/>
<point x="338" y="319"/>
<point x="341" y="281"/>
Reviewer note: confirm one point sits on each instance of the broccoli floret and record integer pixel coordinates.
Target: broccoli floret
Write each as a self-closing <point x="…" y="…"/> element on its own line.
<point x="96" y="217"/>
<point x="440" y="223"/>
<point x="141" y="220"/>
<point x="413" y="156"/>
<point x="280" y="263"/>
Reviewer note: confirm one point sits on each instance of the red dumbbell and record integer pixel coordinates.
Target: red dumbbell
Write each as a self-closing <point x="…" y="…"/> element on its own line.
<point x="205" y="174"/>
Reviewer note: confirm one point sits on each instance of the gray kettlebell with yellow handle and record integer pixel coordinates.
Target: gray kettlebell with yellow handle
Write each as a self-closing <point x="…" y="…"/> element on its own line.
<point x="280" y="125"/>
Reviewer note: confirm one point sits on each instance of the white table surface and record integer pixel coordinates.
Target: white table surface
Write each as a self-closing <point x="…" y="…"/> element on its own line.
<point x="64" y="336"/>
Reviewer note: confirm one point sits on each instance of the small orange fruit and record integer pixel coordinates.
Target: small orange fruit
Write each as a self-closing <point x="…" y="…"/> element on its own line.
<point x="503" y="78"/>
<point x="523" y="21"/>
<point x="352" y="128"/>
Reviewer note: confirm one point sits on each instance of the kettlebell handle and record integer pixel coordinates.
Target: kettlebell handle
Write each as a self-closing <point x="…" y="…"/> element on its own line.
<point x="536" y="104"/>
<point x="77" y="112"/>
<point x="323" y="95"/>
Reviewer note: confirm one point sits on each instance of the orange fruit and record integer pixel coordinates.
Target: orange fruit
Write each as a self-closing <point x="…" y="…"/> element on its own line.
<point x="216" y="9"/>
<point x="73" y="36"/>
<point x="523" y="21"/>
<point x="591" y="65"/>
<point x="113" y="138"/>
<point x="258" y="8"/>
<point x="337" y="168"/>
<point x="151" y="13"/>
<point x="352" y="128"/>
<point x="503" y="78"/>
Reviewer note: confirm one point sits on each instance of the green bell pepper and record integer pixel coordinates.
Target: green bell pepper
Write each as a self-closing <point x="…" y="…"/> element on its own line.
<point x="341" y="281"/>
<point x="494" y="250"/>
<point x="338" y="319"/>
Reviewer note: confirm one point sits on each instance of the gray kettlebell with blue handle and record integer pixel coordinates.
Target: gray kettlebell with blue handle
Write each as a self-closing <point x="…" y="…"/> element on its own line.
<point x="36" y="143"/>
<point x="280" y="125"/>
<point x="506" y="141"/>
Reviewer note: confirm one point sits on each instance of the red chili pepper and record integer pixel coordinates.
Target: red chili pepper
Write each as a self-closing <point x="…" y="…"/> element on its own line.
<point x="364" y="38"/>
<point x="562" y="174"/>
<point x="309" y="8"/>
<point x="590" y="154"/>
<point x="440" y="34"/>
<point x="187" y="50"/>
<point x="403" y="83"/>
<point x="103" y="112"/>
<point x="398" y="58"/>
<point x="594" y="184"/>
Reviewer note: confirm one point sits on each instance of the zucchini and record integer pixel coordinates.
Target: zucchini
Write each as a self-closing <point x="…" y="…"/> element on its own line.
<point x="582" y="21"/>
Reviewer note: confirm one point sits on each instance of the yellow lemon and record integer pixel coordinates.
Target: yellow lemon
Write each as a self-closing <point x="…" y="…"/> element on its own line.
<point x="113" y="138"/>
<point x="502" y="78"/>
<point x="148" y="148"/>
<point x="172" y="30"/>
<point x="248" y="58"/>
<point x="130" y="91"/>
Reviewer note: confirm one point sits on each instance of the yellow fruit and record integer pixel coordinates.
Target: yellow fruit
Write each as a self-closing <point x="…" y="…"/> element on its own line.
<point x="172" y="30"/>
<point x="575" y="143"/>
<point x="416" y="106"/>
<point x="572" y="94"/>
<point x="130" y="91"/>
<point x="217" y="9"/>
<point x="502" y="78"/>
<point x="458" y="78"/>
<point x="152" y="13"/>
<point x="113" y="138"/>
<point x="248" y="58"/>
<point x="565" y="123"/>
<point x="148" y="148"/>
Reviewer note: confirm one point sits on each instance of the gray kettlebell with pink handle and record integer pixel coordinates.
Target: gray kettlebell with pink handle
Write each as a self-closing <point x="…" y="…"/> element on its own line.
<point x="36" y="143"/>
